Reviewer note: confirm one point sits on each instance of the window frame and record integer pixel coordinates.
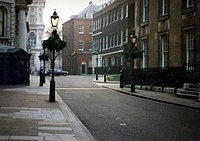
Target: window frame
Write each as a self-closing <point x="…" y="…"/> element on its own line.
<point x="144" y="45"/>
<point x="80" y="29"/>
<point x="122" y="13"/>
<point x="32" y="39"/>
<point x="80" y="45"/>
<point x="163" y="9"/>
<point x="164" y="45"/>
<point x="190" y="45"/>
<point x="2" y="22"/>
<point x="126" y="11"/>
<point x="187" y="8"/>
<point x="189" y="4"/>
<point x="144" y="11"/>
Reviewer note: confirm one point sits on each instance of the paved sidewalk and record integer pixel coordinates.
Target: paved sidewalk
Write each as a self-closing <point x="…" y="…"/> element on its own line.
<point x="26" y="115"/>
<point x="152" y="95"/>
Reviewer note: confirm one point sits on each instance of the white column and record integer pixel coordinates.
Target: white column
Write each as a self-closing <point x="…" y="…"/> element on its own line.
<point x="22" y="28"/>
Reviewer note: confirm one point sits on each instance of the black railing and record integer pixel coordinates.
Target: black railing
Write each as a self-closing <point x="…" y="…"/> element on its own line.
<point x="108" y="70"/>
<point x="169" y="77"/>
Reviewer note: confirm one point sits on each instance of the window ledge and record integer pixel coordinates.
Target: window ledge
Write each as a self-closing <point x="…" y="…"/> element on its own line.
<point x="188" y="10"/>
<point x="163" y="17"/>
<point x="142" y="24"/>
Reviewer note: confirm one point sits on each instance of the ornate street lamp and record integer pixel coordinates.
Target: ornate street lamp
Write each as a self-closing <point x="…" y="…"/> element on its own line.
<point x="53" y="44"/>
<point x="133" y="38"/>
<point x="54" y="24"/>
<point x="54" y="19"/>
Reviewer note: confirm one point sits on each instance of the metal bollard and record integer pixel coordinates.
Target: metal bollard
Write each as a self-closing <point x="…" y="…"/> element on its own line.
<point x="41" y="78"/>
<point x="104" y="77"/>
<point x="121" y="79"/>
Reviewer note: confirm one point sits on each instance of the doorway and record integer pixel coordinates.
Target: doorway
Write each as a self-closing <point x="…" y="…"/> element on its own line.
<point x="83" y="67"/>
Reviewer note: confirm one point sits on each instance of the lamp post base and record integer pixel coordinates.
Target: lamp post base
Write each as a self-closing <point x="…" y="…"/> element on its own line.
<point x="97" y="77"/>
<point x="52" y="91"/>
<point x="132" y="84"/>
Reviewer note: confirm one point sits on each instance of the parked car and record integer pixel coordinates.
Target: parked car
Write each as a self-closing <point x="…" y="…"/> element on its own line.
<point x="57" y="72"/>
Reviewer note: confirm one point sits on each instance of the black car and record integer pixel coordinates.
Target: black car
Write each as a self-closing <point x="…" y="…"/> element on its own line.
<point x="57" y="72"/>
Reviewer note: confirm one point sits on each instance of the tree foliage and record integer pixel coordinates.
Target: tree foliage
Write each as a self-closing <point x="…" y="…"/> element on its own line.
<point x="54" y="42"/>
<point x="133" y="52"/>
<point x="44" y="57"/>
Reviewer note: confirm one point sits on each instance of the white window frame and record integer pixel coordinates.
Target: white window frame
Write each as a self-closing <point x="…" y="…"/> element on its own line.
<point x="80" y="29"/>
<point x="81" y="45"/>
<point x="117" y="15"/>
<point x="113" y="44"/>
<point x="189" y="3"/>
<point x="90" y="45"/>
<point x="100" y="43"/>
<point x="165" y="50"/>
<point x="117" y="39"/>
<point x="2" y="22"/>
<point x="110" y="41"/>
<point x="104" y="39"/>
<point x="107" y="20"/>
<point x="145" y="53"/>
<point x="190" y="45"/>
<point x="122" y="12"/>
<point x="164" y="7"/>
<point x="126" y="11"/>
<point x="106" y="42"/>
<point x="113" y="17"/>
<point x="32" y="39"/>
<point x="145" y="5"/>
<point x="126" y="39"/>
<point x="122" y="32"/>
<point x="103" y="22"/>
<point x="90" y="29"/>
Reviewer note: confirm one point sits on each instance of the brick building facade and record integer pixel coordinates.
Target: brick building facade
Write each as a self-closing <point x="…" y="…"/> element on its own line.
<point x="110" y="35"/>
<point x="77" y="32"/>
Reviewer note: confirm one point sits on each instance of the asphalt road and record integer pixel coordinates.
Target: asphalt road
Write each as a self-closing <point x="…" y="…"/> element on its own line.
<point x="112" y="116"/>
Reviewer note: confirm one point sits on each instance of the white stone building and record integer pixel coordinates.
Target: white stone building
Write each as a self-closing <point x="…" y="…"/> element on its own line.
<point x="14" y="28"/>
<point x="36" y="34"/>
<point x="13" y="24"/>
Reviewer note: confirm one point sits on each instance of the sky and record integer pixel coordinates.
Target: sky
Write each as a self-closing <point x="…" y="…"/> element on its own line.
<point x="65" y="9"/>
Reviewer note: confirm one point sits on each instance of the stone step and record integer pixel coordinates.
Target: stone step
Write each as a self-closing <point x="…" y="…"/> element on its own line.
<point x="192" y="89"/>
<point x="189" y="85"/>
<point x="185" y="95"/>
<point x="184" y="91"/>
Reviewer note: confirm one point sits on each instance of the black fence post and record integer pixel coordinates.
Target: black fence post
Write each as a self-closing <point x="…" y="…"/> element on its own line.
<point x="104" y="77"/>
<point x="121" y="79"/>
<point x="41" y="77"/>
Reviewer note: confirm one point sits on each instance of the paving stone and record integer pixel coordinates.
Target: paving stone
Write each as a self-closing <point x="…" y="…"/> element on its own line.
<point x="57" y="131"/>
<point x="54" y="123"/>
<point x="58" y="137"/>
<point x="56" y="128"/>
<point x="4" y="137"/>
<point x="27" y="138"/>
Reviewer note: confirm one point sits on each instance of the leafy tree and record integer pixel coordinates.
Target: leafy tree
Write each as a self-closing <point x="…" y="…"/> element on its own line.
<point x="44" y="57"/>
<point x="133" y="53"/>
<point x="54" y="42"/>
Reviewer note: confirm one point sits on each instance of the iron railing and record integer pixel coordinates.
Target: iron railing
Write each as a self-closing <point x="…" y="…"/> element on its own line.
<point x="164" y="77"/>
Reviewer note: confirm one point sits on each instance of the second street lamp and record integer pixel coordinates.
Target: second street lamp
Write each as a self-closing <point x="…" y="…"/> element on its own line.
<point x="133" y="38"/>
